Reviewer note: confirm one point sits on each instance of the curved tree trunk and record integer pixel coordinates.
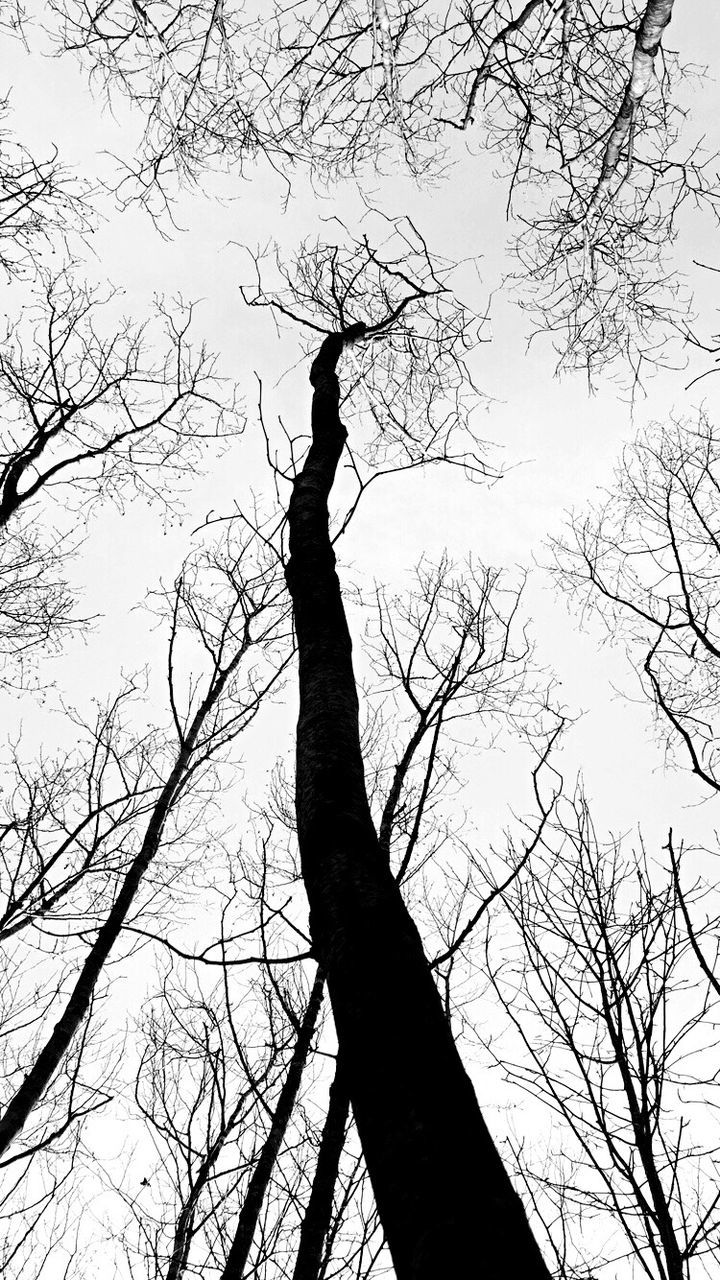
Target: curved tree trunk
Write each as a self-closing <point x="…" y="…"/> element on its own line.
<point x="446" y="1203"/>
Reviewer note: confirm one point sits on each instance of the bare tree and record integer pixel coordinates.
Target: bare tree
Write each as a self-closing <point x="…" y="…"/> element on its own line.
<point x="454" y="664"/>
<point x="707" y="928"/>
<point x="317" y="1224"/>
<point x="253" y="1201"/>
<point x="220" y="612"/>
<point x="647" y="562"/>
<point x="37" y="606"/>
<point x="452" y="655"/>
<point x="436" y="1174"/>
<point x="69" y="822"/>
<point x="409" y="387"/>
<point x="571" y="98"/>
<point x="90" y="405"/>
<point x="217" y="1083"/>
<point x="93" y="408"/>
<point x="39" y="1211"/>
<point x="615" y="1035"/>
<point x="569" y="94"/>
<point x="449" y="664"/>
<point x="40" y="203"/>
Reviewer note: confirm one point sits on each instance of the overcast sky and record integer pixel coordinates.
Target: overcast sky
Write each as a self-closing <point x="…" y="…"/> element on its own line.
<point x="558" y="443"/>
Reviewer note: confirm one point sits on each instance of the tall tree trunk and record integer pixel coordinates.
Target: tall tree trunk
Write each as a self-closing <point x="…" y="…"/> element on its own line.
<point x="33" y="1087"/>
<point x="316" y="1222"/>
<point x="446" y="1203"/>
<point x="258" y="1185"/>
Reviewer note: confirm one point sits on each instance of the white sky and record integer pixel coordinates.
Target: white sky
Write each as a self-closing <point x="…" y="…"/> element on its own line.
<point x="566" y="441"/>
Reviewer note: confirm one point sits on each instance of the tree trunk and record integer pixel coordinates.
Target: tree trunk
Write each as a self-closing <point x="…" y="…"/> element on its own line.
<point x="316" y="1222"/>
<point x="257" y="1187"/>
<point x="185" y="1225"/>
<point x="33" y="1087"/>
<point x="446" y="1203"/>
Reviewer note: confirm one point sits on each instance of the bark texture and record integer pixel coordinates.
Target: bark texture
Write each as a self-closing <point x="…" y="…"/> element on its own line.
<point x="647" y="44"/>
<point x="446" y="1203"/>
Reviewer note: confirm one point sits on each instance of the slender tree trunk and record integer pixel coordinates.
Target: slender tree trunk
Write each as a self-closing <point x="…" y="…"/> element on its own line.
<point x="642" y="1124"/>
<point x="58" y="1042"/>
<point x="446" y="1203"/>
<point x="186" y="1218"/>
<point x="316" y="1222"/>
<point x="257" y="1187"/>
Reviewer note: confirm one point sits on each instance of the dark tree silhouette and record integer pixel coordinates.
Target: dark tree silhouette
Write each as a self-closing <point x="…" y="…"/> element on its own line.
<point x="613" y="1032"/>
<point x="97" y="405"/>
<point x="646" y="562"/>
<point x="444" y="1197"/>
<point x="231" y="609"/>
